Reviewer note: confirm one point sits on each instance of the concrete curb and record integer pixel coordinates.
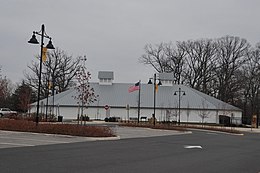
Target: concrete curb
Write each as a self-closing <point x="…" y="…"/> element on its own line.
<point x="103" y="138"/>
<point x="215" y="131"/>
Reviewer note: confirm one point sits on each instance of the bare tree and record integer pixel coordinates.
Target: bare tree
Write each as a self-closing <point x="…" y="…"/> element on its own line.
<point x="5" y="92"/>
<point x="86" y="93"/>
<point x="188" y="111"/>
<point x="231" y="53"/>
<point x="204" y="112"/>
<point x="58" y="72"/>
<point x="175" y="60"/>
<point x="155" y="57"/>
<point x="200" y="63"/>
<point x="251" y="81"/>
<point x="164" y="57"/>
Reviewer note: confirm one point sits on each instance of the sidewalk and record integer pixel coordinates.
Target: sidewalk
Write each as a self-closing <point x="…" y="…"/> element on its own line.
<point x="138" y="132"/>
<point x="249" y="130"/>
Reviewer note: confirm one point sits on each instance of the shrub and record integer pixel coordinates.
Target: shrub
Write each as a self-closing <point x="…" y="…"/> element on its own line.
<point x="64" y="129"/>
<point x="157" y="126"/>
<point x="85" y="118"/>
<point x="112" y="119"/>
<point x="173" y="126"/>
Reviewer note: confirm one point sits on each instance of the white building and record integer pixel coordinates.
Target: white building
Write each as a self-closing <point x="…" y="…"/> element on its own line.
<point x="193" y="105"/>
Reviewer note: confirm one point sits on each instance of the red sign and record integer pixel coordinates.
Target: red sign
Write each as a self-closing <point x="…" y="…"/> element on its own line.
<point x="106" y="107"/>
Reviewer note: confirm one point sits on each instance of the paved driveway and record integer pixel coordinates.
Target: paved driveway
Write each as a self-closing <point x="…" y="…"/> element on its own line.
<point x="214" y="153"/>
<point x="20" y="139"/>
<point x="10" y="139"/>
<point x="132" y="132"/>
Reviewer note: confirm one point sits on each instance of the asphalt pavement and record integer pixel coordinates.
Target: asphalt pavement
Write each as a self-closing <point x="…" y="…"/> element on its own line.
<point x="202" y="152"/>
<point x="9" y="139"/>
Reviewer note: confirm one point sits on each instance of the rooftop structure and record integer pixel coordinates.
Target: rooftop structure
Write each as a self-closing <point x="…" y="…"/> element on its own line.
<point x="105" y="77"/>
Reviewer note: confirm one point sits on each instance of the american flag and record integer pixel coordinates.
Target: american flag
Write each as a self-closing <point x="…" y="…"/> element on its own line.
<point x="134" y="88"/>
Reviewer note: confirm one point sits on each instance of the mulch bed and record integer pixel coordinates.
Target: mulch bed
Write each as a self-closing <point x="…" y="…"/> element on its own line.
<point x="56" y="128"/>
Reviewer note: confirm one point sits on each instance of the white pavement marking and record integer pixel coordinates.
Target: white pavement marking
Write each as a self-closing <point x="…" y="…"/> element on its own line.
<point x="36" y="140"/>
<point x="16" y="144"/>
<point x="211" y="133"/>
<point x="192" y="146"/>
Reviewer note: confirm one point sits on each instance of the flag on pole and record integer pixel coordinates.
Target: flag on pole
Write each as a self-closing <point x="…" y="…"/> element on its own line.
<point x="50" y="85"/>
<point x="134" y="88"/>
<point x="156" y="87"/>
<point x="44" y="52"/>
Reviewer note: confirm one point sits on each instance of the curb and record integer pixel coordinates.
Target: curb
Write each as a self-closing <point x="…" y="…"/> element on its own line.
<point x="215" y="131"/>
<point x="103" y="138"/>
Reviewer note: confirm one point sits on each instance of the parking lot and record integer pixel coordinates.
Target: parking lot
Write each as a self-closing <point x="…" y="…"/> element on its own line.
<point x="10" y="139"/>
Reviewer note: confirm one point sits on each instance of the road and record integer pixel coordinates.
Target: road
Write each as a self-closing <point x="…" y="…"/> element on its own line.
<point x="202" y="152"/>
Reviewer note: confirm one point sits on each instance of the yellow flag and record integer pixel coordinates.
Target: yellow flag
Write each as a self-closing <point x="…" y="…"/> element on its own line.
<point x="44" y="54"/>
<point x="49" y="85"/>
<point x="156" y="87"/>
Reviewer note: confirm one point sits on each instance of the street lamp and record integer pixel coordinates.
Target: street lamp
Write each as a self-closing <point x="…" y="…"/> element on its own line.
<point x="154" y="93"/>
<point x="257" y="108"/>
<point x="179" y="93"/>
<point x="33" y="40"/>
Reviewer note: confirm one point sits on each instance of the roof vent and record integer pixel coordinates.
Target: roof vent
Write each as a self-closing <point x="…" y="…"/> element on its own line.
<point x="105" y="77"/>
<point x="166" y="79"/>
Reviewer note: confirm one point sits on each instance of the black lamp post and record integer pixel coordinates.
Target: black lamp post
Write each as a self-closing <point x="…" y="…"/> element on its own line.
<point x="179" y="93"/>
<point x="33" y="40"/>
<point x="257" y="108"/>
<point x="154" y="93"/>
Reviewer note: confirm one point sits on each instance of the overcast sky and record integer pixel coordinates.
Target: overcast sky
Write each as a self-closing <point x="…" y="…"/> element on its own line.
<point x="113" y="33"/>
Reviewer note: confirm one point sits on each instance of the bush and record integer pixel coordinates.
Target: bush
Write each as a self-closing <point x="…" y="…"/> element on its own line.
<point x="173" y="126"/>
<point x="42" y="117"/>
<point x="85" y="118"/>
<point x="32" y="117"/>
<point x="64" y="129"/>
<point x="157" y="126"/>
<point x="112" y="119"/>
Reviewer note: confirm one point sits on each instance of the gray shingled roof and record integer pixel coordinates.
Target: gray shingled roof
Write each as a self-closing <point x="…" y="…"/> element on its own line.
<point x="116" y="95"/>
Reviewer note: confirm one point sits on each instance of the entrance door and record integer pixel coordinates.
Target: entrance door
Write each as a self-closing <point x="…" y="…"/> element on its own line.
<point x="225" y="120"/>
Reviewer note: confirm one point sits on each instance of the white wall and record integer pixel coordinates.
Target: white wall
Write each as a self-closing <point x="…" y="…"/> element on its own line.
<point x="100" y="113"/>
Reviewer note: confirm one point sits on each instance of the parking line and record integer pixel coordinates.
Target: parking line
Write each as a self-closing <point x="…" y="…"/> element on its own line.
<point x="15" y="144"/>
<point x="36" y="140"/>
<point x="192" y="146"/>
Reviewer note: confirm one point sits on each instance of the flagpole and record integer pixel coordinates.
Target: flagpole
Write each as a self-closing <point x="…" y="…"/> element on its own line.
<point x="139" y="100"/>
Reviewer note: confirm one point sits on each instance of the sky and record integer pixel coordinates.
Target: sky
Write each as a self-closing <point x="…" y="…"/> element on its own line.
<point x="112" y="33"/>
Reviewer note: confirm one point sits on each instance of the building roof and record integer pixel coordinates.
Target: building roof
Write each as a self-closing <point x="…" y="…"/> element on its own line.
<point x="116" y="95"/>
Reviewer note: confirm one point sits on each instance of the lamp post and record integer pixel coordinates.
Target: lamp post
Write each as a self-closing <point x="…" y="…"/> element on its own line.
<point x="154" y="93"/>
<point x="257" y="108"/>
<point x="179" y="93"/>
<point x="33" y="40"/>
<point x="83" y="68"/>
<point x="47" y="100"/>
